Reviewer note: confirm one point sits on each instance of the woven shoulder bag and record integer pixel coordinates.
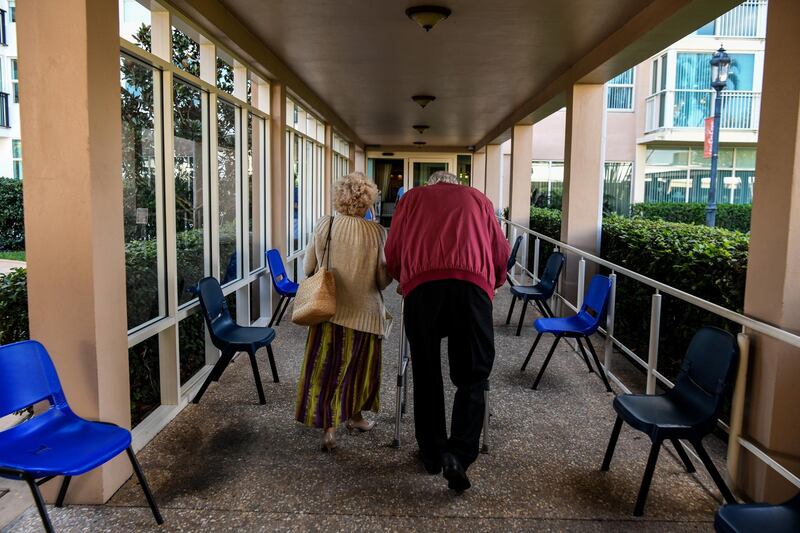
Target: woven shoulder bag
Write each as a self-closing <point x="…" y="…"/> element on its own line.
<point x="315" y="302"/>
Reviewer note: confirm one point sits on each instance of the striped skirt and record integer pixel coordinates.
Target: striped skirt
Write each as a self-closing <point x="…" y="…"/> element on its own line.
<point x="341" y="375"/>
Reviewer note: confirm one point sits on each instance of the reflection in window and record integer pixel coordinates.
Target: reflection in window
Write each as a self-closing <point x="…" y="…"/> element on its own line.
<point x="16" y="158"/>
<point x="620" y="91"/>
<point x="224" y="75"/>
<point x="226" y="163"/>
<point x="189" y="197"/>
<point x="192" y="342"/>
<point x="464" y="169"/>
<point x="145" y="379"/>
<point x="185" y="52"/>
<point x="255" y="169"/>
<point x="140" y="211"/>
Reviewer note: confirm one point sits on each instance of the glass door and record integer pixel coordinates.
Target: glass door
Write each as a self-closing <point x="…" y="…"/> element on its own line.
<point x="422" y="170"/>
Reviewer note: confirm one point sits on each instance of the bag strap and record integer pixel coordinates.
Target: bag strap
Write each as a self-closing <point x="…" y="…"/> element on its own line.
<point x="325" y="251"/>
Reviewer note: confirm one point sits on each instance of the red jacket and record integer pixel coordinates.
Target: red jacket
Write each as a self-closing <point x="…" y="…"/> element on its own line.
<point x="446" y="231"/>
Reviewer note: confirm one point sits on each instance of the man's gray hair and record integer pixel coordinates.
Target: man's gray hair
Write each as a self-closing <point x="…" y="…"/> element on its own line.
<point x="442" y="176"/>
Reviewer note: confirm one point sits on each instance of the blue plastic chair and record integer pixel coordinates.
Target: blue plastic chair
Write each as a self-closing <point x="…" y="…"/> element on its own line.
<point x="57" y="442"/>
<point x="688" y="411"/>
<point x="286" y="288"/>
<point x="231" y="338"/>
<point x="580" y="326"/>
<point x="539" y="293"/>
<point x="759" y="517"/>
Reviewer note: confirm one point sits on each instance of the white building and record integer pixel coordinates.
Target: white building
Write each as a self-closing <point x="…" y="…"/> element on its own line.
<point x="10" y="145"/>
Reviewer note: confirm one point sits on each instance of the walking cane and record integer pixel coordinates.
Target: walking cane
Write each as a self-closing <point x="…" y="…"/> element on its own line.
<point x="402" y="366"/>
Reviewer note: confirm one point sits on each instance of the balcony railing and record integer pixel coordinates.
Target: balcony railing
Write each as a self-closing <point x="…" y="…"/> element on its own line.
<point x="689" y="108"/>
<point x="5" y="118"/>
<point x="749" y="19"/>
<point x="654" y="378"/>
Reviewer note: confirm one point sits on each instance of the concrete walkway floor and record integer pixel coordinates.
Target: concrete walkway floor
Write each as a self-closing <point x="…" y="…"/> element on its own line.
<point x="229" y="464"/>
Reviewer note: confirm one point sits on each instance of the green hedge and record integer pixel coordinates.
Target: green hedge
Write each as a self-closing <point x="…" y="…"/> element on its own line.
<point x="710" y="263"/>
<point x="729" y="216"/>
<point x="14" y="306"/>
<point x="12" y="228"/>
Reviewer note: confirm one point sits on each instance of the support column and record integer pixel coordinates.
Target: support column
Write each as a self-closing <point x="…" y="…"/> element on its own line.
<point x="278" y="168"/>
<point x="639" y="165"/>
<point x="584" y="152"/>
<point x="479" y="170"/>
<point x="772" y="293"/>
<point x="360" y="160"/>
<point x="494" y="169"/>
<point x="73" y="213"/>
<point x="519" y="201"/>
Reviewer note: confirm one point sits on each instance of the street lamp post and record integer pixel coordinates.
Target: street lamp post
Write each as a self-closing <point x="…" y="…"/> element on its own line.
<point x="720" y="65"/>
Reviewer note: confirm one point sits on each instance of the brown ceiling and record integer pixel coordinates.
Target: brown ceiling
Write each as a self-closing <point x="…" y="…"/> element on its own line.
<point x="366" y="59"/>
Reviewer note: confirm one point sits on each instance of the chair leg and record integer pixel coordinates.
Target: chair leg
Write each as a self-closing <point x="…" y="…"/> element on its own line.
<point x="261" y="399"/>
<point x="541" y="309"/>
<point x="546" y="362"/>
<point x="550" y="312"/>
<point x="145" y="487"/>
<point x="530" y="353"/>
<point x="585" y="357"/>
<point x="275" y="312"/>
<point x="648" y="477"/>
<point x="612" y="444"/>
<point x="511" y="309"/>
<point x="600" y="369"/>
<point x="683" y="455"/>
<point x="62" y="493"/>
<point x="214" y="375"/>
<point x="285" y="307"/>
<point x="40" y="505"/>
<point x="272" y="365"/>
<point x="522" y="315"/>
<point x="709" y="464"/>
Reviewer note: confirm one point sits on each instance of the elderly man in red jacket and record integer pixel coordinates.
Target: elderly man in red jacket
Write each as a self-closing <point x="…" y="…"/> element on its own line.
<point x="446" y="249"/>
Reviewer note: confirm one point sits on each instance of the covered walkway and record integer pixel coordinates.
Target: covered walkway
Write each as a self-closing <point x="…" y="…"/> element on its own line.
<point x="230" y="464"/>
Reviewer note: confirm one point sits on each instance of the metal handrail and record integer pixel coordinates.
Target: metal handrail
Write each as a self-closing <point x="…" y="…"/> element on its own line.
<point x="736" y="440"/>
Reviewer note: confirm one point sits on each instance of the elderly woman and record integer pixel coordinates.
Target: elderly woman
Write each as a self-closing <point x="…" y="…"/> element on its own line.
<point x="341" y="372"/>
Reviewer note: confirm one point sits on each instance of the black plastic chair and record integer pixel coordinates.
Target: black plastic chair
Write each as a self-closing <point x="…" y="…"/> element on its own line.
<point x="758" y="517"/>
<point x="231" y="338"/>
<point x="512" y="259"/>
<point x="688" y="411"/>
<point x="539" y="293"/>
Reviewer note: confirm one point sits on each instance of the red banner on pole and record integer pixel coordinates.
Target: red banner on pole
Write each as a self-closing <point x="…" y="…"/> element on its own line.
<point x="708" y="138"/>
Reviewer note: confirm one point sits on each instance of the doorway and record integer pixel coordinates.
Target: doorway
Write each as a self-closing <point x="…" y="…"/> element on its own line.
<point x="422" y="170"/>
<point x="388" y="176"/>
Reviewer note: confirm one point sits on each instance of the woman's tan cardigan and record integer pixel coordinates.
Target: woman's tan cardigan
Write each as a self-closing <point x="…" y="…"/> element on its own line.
<point x="359" y="267"/>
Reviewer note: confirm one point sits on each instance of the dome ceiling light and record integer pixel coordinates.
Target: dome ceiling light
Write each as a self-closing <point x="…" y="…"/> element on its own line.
<point x="421" y="128"/>
<point x="423" y="99"/>
<point x="427" y="16"/>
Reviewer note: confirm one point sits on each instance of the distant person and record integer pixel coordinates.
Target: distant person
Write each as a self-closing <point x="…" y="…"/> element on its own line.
<point x="400" y="192"/>
<point x="446" y="249"/>
<point x="341" y="373"/>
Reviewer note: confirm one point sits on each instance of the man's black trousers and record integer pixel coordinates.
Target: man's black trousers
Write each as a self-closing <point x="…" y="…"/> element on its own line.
<point x="462" y="312"/>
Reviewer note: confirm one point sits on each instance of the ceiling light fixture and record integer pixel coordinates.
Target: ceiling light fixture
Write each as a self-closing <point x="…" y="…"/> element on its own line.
<point x="423" y="99"/>
<point x="421" y="128"/>
<point x="420" y="143"/>
<point x="427" y="16"/>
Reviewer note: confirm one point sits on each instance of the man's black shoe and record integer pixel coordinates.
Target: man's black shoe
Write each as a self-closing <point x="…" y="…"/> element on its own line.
<point x="454" y="473"/>
<point x="431" y="467"/>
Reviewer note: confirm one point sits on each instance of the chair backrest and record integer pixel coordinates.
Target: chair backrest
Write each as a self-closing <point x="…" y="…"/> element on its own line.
<point x="277" y="272"/>
<point x="27" y="376"/>
<point x="512" y="259"/>
<point x="707" y="370"/>
<point x="215" y="309"/>
<point x="596" y="300"/>
<point x="552" y="270"/>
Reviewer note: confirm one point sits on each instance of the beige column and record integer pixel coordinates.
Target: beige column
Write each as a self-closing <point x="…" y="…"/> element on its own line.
<point x="519" y="201"/>
<point x="479" y="170"/>
<point x="352" y="164"/>
<point x="328" y="181"/>
<point x="584" y="149"/>
<point x="494" y="170"/>
<point x="773" y="285"/>
<point x="360" y="160"/>
<point x="73" y="212"/>
<point x="278" y="167"/>
<point x="505" y="179"/>
<point x="639" y="165"/>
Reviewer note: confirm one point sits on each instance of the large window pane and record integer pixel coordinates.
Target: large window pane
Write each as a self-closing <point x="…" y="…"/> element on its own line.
<point x="145" y="379"/>
<point x="256" y="129"/>
<point x="192" y="342"/>
<point x="139" y="193"/>
<point x="189" y="190"/>
<point x="228" y="217"/>
<point x="295" y="177"/>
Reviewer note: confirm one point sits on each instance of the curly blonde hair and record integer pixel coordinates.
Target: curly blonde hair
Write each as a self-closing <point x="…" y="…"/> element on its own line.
<point x="354" y="194"/>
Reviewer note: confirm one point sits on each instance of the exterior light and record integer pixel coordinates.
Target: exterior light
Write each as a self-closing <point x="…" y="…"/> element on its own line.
<point x="421" y="128"/>
<point x="427" y="16"/>
<point x="720" y="66"/>
<point x="423" y="99"/>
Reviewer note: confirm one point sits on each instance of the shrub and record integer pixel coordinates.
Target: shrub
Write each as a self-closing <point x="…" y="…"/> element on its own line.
<point x="12" y="226"/>
<point x="710" y="263"/>
<point x="547" y="222"/>
<point x="729" y="216"/>
<point x="14" y="306"/>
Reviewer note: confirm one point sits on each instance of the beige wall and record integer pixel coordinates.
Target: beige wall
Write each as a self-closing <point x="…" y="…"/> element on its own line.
<point x="620" y="136"/>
